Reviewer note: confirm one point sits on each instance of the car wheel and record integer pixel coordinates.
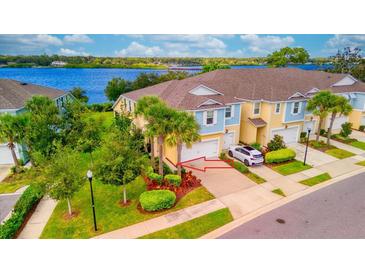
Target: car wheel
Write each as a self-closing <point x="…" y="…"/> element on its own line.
<point x="246" y="162"/>
<point x="230" y="153"/>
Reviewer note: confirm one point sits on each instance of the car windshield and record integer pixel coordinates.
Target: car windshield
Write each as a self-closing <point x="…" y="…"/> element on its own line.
<point x="248" y="148"/>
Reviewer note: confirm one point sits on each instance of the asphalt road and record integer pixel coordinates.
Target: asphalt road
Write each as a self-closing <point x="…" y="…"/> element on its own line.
<point x="7" y="203"/>
<point x="336" y="211"/>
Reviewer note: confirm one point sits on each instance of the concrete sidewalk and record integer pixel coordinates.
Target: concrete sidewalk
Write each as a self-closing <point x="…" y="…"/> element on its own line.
<point x="35" y="225"/>
<point x="165" y="221"/>
<point x="4" y="171"/>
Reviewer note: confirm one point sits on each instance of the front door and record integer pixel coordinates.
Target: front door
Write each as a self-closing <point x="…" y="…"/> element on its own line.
<point x="228" y="140"/>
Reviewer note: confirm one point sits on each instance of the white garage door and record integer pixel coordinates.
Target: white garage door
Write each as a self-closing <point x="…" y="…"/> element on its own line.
<point x="228" y="140"/>
<point x="290" y="134"/>
<point x="204" y="148"/>
<point x="5" y="155"/>
<point x="338" y="122"/>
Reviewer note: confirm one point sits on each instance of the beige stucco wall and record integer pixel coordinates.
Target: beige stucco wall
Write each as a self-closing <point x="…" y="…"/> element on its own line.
<point x="355" y="118"/>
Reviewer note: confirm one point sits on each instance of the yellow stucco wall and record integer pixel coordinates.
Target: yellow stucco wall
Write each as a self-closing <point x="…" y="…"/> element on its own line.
<point x="248" y="132"/>
<point x="355" y="118"/>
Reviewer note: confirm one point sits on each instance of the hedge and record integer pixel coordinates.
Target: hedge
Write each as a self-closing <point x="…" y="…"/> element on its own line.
<point x="157" y="199"/>
<point x="279" y="156"/>
<point x="173" y="179"/>
<point x="155" y="176"/>
<point x="21" y="209"/>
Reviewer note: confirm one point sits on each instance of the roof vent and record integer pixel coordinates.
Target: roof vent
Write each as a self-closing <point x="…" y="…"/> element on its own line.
<point x="23" y="83"/>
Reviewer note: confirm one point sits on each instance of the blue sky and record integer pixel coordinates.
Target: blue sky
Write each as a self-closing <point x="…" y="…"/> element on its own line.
<point x="176" y="45"/>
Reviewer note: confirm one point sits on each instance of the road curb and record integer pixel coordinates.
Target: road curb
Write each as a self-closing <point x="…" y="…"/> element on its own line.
<point x="236" y="223"/>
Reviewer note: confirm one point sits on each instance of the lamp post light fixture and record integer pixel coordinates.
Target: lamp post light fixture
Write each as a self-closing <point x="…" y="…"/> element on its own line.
<point x="306" y="147"/>
<point x="89" y="175"/>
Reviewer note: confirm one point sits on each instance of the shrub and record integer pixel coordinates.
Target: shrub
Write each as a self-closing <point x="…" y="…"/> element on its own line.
<point x="21" y="209"/>
<point x="256" y="146"/>
<point x="279" y="156"/>
<point x="240" y="167"/>
<point x="346" y="129"/>
<point x="276" y="143"/>
<point x="223" y="156"/>
<point x="323" y="132"/>
<point x="101" y="107"/>
<point x="303" y="134"/>
<point x="155" y="177"/>
<point x="166" y="168"/>
<point x="157" y="199"/>
<point x="362" y="128"/>
<point x="173" y="179"/>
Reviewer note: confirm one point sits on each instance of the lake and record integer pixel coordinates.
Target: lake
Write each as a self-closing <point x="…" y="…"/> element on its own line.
<point x="93" y="81"/>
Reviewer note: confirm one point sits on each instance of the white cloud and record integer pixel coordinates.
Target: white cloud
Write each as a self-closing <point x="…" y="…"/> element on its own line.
<point x="346" y="40"/>
<point x="77" y="38"/>
<point x="71" y="52"/>
<point x="266" y="44"/>
<point x="136" y="49"/>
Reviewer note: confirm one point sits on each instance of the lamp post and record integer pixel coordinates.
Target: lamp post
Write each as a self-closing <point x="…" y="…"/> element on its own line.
<point x="89" y="175"/>
<point x="306" y="147"/>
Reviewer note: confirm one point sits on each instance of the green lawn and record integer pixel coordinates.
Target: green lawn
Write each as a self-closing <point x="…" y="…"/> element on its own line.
<point x="339" y="153"/>
<point x="13" y="182"/>
<point x="110" y="215"/>
<point x="107" y="117"/>
<point x="194" y="228"/>
<point x="254" y="177"/>
<point x="362" y="163"/>
<point x="358" y="144"/>
<point x="291" y="167"/>
<point x="316" y="180"/>
<point x="279" y="192"/>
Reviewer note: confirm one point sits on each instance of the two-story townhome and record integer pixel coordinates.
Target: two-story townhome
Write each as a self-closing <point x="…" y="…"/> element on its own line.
<point x="13" y="95"/>
<point x="248" y="105"/>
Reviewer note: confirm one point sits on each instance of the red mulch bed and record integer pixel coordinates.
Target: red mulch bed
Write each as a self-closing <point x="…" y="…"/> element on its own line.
<point x="122" y="204"/>
<point x="188" y="183"/>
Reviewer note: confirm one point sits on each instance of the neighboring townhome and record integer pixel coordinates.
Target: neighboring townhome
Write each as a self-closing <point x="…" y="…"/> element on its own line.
<point x="13" y="95"/>
<point x="249" y="105"/>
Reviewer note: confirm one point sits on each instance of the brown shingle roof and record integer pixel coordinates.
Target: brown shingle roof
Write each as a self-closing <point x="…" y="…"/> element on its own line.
<point x="14" y="94"/>
<point x="271" y="84"/>
<point x="257" y="122"/>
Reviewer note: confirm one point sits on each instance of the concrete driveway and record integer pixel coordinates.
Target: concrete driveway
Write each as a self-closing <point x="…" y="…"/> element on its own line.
<point x="314" y="157"/>
<point x="358" y="135"/>
<point x="4" y="171"/>
<point x="7" y="202"/>
<point x="222" y="180"/>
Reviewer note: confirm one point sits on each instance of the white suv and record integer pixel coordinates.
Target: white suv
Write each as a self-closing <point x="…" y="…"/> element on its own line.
<point x="248" y="155"/>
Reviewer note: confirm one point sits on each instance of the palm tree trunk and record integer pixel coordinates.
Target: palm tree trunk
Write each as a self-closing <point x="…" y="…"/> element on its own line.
<point x="179" y="149"/>
<point x="319" y="129"/>
<point x="329" y="131"/>
<point x="69" y="206"/>
<point x="160" y="154"/>
<point x="153" y="152"/>
<point x="13" y="154"/>
<point x="124" y="194"/>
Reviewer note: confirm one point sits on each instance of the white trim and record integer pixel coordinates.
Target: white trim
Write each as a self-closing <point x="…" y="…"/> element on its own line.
<point x="203" y="86"/>
<point x="312" y="91"/>
<point x="299" y="108"/>
<point x="296" y="95"/>
<point x="210" y="133"/>
<point x="232" y="112"/>
<point x="209" y="102"/>
<point x="295" y="121"/>
<point x="347" y="76"/>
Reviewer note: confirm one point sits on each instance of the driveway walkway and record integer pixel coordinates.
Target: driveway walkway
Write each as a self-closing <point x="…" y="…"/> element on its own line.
<point x="165" y="221"/>
<point x="35" y="225"/>
<point x="358" y="135"/>
<point x="7" y="202"/>
<point x="340" y="145"/>
<point x="314" y="157"/>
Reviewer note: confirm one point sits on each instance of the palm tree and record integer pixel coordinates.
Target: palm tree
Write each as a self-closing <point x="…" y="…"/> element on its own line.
<point x="11" y="131"/>
<point x="320" y="104"/>
<point x="185" y="129"/>
<point x="143" y="108"/>
<point x="160" y="127"/>
<point x="340" y="106"/>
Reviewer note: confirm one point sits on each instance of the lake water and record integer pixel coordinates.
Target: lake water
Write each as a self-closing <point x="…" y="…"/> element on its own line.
<point x="93" y="81"/>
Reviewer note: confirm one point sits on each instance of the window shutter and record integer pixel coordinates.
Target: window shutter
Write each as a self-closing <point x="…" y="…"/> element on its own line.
<point x="300" y="107"/>
<point x="204" y="118"/>
<point x="215" y="117"/>
<point x="232" y="111"/>
<point x="292" y="108"/>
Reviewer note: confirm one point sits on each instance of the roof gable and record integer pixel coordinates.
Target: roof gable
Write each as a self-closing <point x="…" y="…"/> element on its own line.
<point x="202" y="90"/>
<point x="209" y="102"/>
<point x="347" y="81"/>
<point x="297" y="95"/>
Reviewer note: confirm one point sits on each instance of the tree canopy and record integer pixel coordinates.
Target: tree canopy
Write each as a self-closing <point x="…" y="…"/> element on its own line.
<point x="287" y="55"/>
<point x="79" y="94"/>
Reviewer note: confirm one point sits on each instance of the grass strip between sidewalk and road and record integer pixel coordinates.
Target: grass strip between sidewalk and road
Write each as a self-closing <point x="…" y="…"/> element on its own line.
<point x="362" y="163"/>
<point x="339" y="153"/>
<point x="194" y="228"/>
<point x="316" y="179"/>
<point x="279" y="192"/>
<point x="358" y="144"/>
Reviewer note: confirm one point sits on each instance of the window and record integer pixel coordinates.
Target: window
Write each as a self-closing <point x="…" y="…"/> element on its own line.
<point x="296" y="108"/>
<point x="229" y="112"/>
<point x="277" y="108"/>
<point x="210" y="117"/>
<point x="256" y="108"/>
